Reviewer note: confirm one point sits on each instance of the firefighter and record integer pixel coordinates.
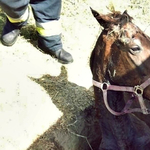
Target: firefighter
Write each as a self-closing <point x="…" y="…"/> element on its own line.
<point x="46" y="14"/>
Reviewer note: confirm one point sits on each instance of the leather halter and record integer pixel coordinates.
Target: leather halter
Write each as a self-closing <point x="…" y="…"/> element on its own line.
<point x="136" y="90"/>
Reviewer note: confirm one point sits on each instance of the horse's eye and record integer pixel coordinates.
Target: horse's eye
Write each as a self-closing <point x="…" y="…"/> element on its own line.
<point x="135" y="48"/>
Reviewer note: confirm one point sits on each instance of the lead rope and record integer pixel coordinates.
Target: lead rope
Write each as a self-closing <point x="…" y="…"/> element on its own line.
<point x="137" y="90"/>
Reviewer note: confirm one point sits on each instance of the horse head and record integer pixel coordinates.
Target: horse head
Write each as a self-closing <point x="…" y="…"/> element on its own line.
<point x="126" y="50"/>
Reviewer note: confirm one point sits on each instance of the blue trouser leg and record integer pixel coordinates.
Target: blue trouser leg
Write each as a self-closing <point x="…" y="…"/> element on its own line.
<point x="44" y="11"/>
<point x="14" y="8"/>
<point x="47" y="11"/>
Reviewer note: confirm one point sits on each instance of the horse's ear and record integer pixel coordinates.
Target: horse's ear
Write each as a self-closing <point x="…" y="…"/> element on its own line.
<point x="125" y="12"/>
<point x="95" y="13"/>
<point x="103" y="20"/>
<point x="128" y="17"/>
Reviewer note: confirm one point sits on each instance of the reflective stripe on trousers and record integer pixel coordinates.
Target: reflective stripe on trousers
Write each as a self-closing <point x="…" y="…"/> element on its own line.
<point x="22" y="18"/>
<point x="49" y="28"/>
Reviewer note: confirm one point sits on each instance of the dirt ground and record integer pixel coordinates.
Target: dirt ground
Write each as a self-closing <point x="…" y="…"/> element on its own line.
<point x="43" y="104"/>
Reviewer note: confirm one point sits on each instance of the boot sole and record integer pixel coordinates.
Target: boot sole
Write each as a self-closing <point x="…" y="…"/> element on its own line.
<point x="53" y="56"/>
<point x="64" y="62"/>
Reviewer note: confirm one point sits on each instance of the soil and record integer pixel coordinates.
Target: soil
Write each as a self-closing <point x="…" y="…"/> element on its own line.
<point x="45" y="105"/>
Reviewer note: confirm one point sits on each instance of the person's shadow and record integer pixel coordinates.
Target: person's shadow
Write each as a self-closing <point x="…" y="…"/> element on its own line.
<point x="30" y="34"/>
<point x="78" y="128"/>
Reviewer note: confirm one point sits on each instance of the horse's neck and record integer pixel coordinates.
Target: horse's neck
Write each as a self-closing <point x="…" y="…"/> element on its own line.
<point x="115" y="127"/>
<point x="121" y="132"/>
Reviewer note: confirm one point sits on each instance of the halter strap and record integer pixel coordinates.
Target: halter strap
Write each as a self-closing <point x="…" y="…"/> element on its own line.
<point x="137" y="90"/>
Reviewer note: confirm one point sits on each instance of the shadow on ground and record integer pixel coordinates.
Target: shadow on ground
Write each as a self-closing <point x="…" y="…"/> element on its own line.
<point x="2" y="21"/>
<point x="78" y="128"/>
<point x="30" y="34"/>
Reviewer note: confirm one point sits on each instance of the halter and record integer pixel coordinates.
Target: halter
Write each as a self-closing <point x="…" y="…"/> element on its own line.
<point x="137" y="93"/>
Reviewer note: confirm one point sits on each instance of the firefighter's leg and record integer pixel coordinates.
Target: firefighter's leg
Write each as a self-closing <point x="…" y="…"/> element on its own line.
<point x="17" y="15"/>
<point x="47" y="14"/>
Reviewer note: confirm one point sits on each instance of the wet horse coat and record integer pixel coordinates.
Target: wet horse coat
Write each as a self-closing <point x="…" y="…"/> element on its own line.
<point x="121" y="57"/>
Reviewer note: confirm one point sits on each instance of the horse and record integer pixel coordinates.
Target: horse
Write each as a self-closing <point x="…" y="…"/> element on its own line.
<point x="120" y="65"/>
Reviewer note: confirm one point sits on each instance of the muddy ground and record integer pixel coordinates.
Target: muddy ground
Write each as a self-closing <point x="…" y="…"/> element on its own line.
<point x="45" y="105"/>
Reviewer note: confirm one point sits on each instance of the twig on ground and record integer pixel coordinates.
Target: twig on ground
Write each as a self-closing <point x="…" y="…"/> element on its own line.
<point x="78" y="135"/>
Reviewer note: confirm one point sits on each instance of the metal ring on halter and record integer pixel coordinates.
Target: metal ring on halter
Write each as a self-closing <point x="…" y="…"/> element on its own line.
<point x="138" y="90"/>
<point x="104" y="86"/>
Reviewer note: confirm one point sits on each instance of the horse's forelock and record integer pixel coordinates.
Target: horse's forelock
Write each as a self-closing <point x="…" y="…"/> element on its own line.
<point x="119" y="18"/>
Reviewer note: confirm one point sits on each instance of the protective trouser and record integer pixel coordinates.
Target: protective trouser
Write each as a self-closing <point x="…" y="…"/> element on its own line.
<point x="46" y="14"/>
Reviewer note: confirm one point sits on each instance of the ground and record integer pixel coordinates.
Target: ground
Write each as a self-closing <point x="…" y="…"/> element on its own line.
<point x="43" y="104"/>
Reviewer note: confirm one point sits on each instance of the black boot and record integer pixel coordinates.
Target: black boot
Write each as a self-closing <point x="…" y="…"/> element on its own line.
<point x="47" y="44"/>
<point x="62" y="56"/>
<point x="10" y="33"/>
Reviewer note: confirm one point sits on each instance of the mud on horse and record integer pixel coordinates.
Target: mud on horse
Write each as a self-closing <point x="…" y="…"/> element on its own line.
<point x="120" y="64"/>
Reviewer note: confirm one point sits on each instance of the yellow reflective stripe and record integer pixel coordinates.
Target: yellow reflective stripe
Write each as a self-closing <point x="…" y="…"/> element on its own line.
<point x="41" y="31"/>
<point x="49" y="28"/>
<point x="20" y="19"/>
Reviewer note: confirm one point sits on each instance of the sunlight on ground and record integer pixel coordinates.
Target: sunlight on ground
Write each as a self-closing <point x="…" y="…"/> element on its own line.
<point x="26" y="110"/>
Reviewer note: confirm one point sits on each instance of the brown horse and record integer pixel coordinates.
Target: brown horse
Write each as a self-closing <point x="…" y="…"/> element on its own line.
<point x="120" y="64"/>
